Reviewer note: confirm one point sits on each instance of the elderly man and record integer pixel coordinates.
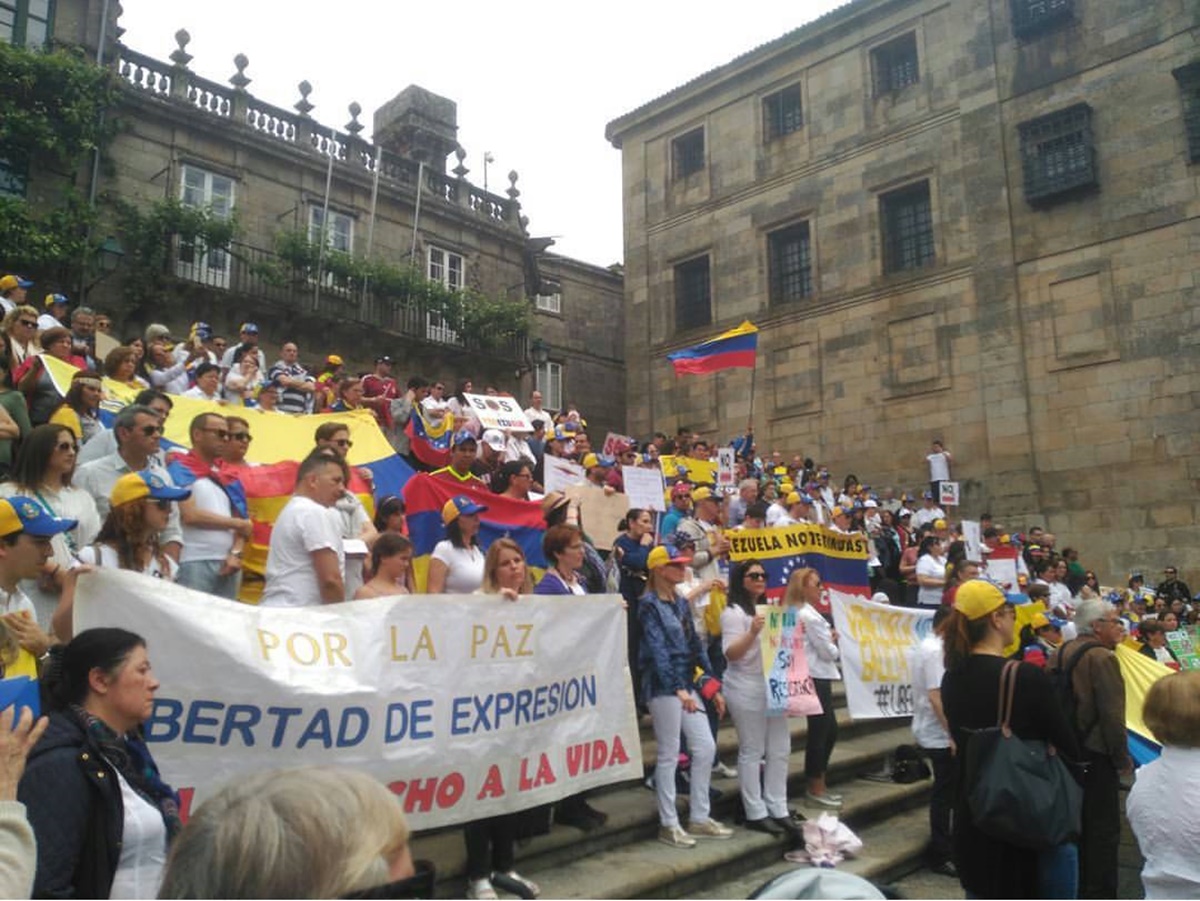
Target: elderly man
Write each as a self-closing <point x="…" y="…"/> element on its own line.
<point x="294" y="383"/>
<point x="1099" y="719"/>
<point x="747" y="494"/>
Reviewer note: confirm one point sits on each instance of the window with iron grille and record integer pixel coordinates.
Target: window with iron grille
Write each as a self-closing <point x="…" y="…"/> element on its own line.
<point x="907" y="228"/>
<point x="1032" y="17"/>
<point x="550" y="303"/>
<point x="782" y="113"/>
<point x="1058" y="154"/>
<point x="26" y="23"/>
<point x="895" y="64"/>
<point x="1189" y="83"/>
<point x="687" y="154"/>
<point x="693" y="294"/>
<point x="548" y="380"/>
<point x="791" y="263"/>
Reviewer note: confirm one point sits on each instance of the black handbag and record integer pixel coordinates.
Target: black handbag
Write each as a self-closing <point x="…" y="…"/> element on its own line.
<point x="1021" y="791"/>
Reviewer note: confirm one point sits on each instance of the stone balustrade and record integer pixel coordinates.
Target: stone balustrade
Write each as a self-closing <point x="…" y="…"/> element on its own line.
<point x="174" y="82"/>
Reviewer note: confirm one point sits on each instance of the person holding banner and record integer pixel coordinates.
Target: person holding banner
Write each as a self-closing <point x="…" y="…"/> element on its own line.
<point x="976" y="634"/>
<point x="821" y="649"/>
<point x="103" y="816"/>
<point x="491" y="843"/>
<point x="671" y="651"/>
<point x="764" y="793"/>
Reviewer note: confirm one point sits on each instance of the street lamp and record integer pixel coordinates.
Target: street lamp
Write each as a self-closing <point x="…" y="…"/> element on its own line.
<point x="539" y="352"/>
<point x="111" y="253"/>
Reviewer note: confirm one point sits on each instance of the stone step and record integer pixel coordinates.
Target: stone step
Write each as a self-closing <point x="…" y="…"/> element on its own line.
<point x="892" y="848"/>
<point x="633" y="821"/>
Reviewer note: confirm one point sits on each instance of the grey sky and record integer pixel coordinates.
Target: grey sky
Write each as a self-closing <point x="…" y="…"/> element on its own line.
<point x="535" y="82"/>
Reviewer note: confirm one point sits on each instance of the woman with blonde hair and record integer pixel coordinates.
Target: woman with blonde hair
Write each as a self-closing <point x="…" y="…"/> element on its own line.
<point x="300" y="833"/>
<point x="491" y="842"/>
<point x="821" y="651"/>
<point x="21" y="329"/>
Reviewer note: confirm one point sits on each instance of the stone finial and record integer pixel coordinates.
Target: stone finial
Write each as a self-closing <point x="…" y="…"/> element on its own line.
<point x="302" y="106"/>
<point x="239" y="79"/>
<point x="512" y="191"/>
<point x="180" y="56"/>
<point x="354" y="126"/>
<point x="460" y="154"/>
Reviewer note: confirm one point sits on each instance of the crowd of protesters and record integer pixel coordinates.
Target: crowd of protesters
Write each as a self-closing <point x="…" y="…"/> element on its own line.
<point x="79" y="495"/>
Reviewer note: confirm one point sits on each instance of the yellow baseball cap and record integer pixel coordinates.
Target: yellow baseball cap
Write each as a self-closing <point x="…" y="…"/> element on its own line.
<point x="977" y="598"/>
<point x="135" y="486"/>
<point x="662" y="555"/>
<point x="702" y="494"/>
<point x="20" y="514"/>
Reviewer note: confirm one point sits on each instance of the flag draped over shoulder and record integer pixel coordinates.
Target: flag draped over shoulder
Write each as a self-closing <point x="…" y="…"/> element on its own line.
<point x="1139" y="673"/>
<point x="736" y="348"/>
<point x="424" y="497"/>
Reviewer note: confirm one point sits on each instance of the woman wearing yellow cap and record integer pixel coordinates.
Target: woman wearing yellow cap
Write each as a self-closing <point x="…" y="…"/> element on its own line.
<point x="456" y="566"/>
<point x="141" y="506"/>
<point x="975" y="636"/>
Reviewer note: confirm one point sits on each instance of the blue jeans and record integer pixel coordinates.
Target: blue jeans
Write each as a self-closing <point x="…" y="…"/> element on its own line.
<point x="1058" y="871"/>
<point x="202" y="575"/>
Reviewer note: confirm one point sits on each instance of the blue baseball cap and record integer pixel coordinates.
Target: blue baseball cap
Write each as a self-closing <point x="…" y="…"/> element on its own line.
<point x="136" y="486"/>
<point x="21" y="514"/>
<point x="462" y="436"/>
<point x="14" y="281"/>
<point x="460" y="506"/>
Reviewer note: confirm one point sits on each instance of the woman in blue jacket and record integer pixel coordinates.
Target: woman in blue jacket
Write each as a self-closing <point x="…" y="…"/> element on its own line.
<point x="670" y="653"/>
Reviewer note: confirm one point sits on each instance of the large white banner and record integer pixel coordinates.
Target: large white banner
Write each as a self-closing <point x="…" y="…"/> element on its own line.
<point x="875" y="641"/>
<point x="464" y="706"/>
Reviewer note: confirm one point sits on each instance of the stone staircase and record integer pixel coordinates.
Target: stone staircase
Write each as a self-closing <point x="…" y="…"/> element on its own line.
<point x="624" y="860"/>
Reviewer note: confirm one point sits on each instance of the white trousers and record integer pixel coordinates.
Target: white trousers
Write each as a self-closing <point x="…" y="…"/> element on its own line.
<point x="669" y="723"/>
<point x="764" y="790"/>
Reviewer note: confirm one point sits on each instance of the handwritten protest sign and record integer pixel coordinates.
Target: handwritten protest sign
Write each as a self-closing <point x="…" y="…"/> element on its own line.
<point x="561" y="474"/>
<point x="790" y="690"/>
<point x="875" y="641"/>
<point x="600" y="512"/>
<point x="466" y="707"/>
<point x="644" y="488"/>
<point x="496" y="412"/>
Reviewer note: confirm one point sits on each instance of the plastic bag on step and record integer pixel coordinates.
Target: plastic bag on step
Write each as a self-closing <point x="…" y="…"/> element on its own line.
<point x="827" y="842"/>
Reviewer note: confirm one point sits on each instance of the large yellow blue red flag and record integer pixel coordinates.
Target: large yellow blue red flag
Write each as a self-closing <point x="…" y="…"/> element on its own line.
<point x="736" y="348"/>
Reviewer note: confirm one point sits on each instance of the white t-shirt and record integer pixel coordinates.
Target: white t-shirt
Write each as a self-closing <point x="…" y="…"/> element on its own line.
<point x="464" y="567"/>
<point x="207" y="544"/>
<point x="939" y="467"/>
<point x="933" y="568"/>
<point x="543" y="414"/>
<point x="927" y="514"/>
<point x="748" y="670"/>
<point x="775" y="513"/>
<point x="927" y="666"/>
<point x="1162" y="813"/>
<point x="16" y="602"/>
<point x="103" y="555"/>
<point x="143" y="847"/>
<point x="304" y="526"/>
<point x="195" y="392"/>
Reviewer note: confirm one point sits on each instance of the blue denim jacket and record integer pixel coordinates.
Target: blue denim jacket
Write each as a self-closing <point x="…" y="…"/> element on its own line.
<point x="670" y="649"/>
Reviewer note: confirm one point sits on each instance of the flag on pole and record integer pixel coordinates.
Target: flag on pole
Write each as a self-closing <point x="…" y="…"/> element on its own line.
<point x="733" y="349"/>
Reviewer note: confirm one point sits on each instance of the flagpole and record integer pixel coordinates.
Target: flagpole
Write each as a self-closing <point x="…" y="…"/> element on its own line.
<point x="753" y="379"/>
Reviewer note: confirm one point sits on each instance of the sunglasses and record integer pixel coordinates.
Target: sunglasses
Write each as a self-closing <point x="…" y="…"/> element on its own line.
<point x="27" y="323"/>
<point x="241" y="436"/>
<point x="163" y="505"/>
<point x="756" y="576"/>
<point x="343" y="442"/>
<point x="66" y="446"/>
<point x="149" y="430"/>
<point x="223" y="434"/>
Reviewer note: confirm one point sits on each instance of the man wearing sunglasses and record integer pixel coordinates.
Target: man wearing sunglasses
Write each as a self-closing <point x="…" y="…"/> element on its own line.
<point x="216" y="522"/>
<point x="137" y="431"/>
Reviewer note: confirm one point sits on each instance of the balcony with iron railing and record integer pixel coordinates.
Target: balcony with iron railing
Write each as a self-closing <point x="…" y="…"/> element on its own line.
<point x="257" y="279"/>
<point x="173" y="83"/>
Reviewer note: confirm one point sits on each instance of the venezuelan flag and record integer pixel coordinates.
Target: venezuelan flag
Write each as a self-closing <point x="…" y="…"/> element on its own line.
<point x="840" y="559"/>
<point x="1139" y="673"/>
<point x="429" y="441"/>
<point x="424" y="497"/>
<point x="736" y="348"/>
<point x="698" y="472"/>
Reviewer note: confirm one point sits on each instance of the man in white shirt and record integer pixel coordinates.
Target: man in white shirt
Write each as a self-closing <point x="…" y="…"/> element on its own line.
<point x="248" y="344"/>
<point x="931" y="731"/>
<point x="215" y="532"/>
<point x="799" y="510"/>
<point x="939" y="466"/>
<point x="929" y="512"/>
<point x="25" y="533"/>
<point x="208" y="383"/>
<point x="435" y="405"/>
<point x="306" y="560"/>
<point x="535" y="410"/>
<point x="56" y="312"/>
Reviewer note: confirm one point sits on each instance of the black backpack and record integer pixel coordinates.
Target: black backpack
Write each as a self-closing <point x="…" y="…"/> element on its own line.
<point x="1062" y="680"/>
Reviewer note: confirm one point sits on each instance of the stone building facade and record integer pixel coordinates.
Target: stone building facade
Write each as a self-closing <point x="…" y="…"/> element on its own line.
<point x="977" y="221"/>
<point x="396" y="199"/>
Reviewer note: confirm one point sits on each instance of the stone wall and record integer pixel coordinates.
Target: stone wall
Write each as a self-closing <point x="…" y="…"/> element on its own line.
<point x="1051" y="347"/>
